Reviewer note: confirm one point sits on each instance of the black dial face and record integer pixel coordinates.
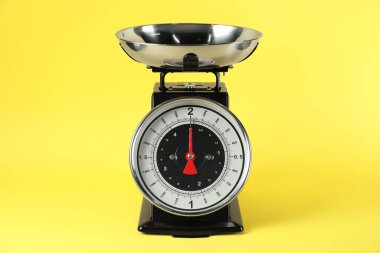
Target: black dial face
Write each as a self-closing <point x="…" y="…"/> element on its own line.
<point x="190" y="157"/>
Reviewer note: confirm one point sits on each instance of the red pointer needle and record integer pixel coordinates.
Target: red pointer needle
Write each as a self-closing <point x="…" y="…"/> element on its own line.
<point x="190" y="156"/>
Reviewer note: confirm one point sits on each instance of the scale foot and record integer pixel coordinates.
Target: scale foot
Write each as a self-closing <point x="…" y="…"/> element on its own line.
<point x="224" y="221"/>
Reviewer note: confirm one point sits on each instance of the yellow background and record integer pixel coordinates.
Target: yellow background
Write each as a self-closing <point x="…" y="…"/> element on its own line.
<point x="70" y="100"/>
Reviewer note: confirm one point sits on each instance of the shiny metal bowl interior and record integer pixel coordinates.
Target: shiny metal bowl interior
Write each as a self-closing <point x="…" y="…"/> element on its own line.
<point x="165" y="45"/>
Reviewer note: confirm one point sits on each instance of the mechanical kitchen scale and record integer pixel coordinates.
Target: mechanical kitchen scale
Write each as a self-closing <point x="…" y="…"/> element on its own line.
<point x="190" y="156"/>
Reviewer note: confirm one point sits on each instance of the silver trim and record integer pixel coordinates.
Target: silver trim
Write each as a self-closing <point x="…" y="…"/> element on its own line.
<point x="178" y="102"/>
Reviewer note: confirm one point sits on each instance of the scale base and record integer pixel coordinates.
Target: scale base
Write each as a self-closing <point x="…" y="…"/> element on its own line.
<point x="224" y="221"/>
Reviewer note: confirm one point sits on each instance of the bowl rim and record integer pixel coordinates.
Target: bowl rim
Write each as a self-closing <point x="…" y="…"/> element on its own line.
<point x="256" y="32"/>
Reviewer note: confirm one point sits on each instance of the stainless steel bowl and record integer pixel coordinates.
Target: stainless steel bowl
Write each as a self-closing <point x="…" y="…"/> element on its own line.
<point x="166" y="45"/>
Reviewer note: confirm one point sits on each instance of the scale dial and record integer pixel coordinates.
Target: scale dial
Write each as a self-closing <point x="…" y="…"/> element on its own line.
<point x="190" y="156"/>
